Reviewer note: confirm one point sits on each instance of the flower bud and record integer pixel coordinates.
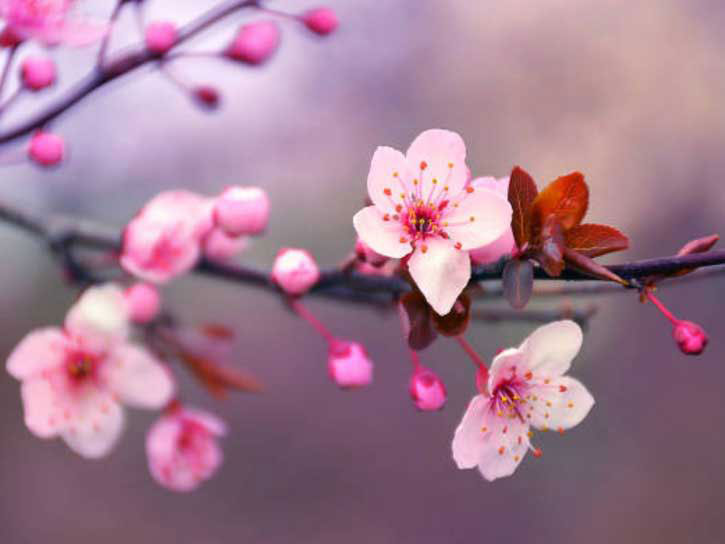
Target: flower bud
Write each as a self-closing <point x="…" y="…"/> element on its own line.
<point x="242" y="210"/>
<point x="160" y="36"/>
<point x="427" y="390"/>
<point x="37" y="73"/>
<point x="46" y="148"/>
<point x="255" y="42"/>
<point x="349" y="365"/>
<point x="368" y="255"/>
<point x="143" y="301"/>
<point x="690" y="337"/>
<point x="321" y="21"/>
<point x="219" y="246"/>
<point x="295" y="271"/>
<point x="207" y="96"/>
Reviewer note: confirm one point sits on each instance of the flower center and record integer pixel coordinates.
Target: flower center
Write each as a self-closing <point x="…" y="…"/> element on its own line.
<point x="508" y="399"/>
<point x="81" y="366"/>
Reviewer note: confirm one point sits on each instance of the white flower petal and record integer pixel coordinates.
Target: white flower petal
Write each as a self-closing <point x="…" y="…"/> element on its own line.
<point x="504" y="366"/>
<point x="441" y="272"/>
<point x="444" y="155"/>
<point x="468" y="440"/>
<point x="138" y="378"/>
<point x="505" y="444"/>
<point x="382" y="236"/>
<point x="99" y="318"/>
<point x="40" y="350"/>
<point x="478" y="219"/>
<point x="382" y="178"/>
<point x="551" y="348"/>
<point x="561" y="404"/>
<point x="43" y="415"/>
<point x="95" y="426"/>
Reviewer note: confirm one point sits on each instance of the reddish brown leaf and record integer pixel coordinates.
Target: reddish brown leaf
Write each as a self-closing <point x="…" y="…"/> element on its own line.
<point x="588" y="266"/>
<point x="567" y="198"/>
<point x="595" y="240"/>
<point x="219" y="380"/>
<point x="550" y="254"/>
<point x="217" y="331"/>
<point x="701" y="245"/>
<point x="455" y="322"/>
<point x="416" y="317"/>
<point x="518" y="282"/>
<point x="522" y="192"/>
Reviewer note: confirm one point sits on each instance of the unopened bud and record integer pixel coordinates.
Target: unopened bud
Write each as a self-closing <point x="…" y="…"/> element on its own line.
<point x="161" y="36"/>
<point x="220" y="247"/>
<point x="242" y="210"/>
<point x="690" y="337"/>
<point x="349" y="365"/>
<point x="321" y="21"/>
<point x="255" y="42"/>
<point x="295" y="271"/>
<point x="143" y="301"/>
<point x="46" y="148"/>
<point x="38" y="73"/>
<point x="427" y="390"/>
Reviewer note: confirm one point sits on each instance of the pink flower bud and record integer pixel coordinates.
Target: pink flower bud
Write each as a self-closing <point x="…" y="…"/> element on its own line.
<point x="295" y="271"/>
<point x="321" y="21"/>
<point x="37" y="73"/>
<point x="219" y="246"/>
<point x="690" y="337"/>
<point x="207" y="96"/>
<point x="242" y="210"/>
<point x="368" y="255"/>
<point x="349" y="365"/>
<point x="143" y="301"/>
<point x="161" y="36"/>
<point x="46" y="148"/>
<point x="182" y="448"/>
<point x="427" y="390"/>
<point x="255" y="42"/>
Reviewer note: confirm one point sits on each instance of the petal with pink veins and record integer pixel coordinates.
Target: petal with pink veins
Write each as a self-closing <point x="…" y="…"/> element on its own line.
<point x="505" y="444"/>
<point x="562" y="404"/>
<point x="138" y="378"/>
<point x="441" y="272"/>
<point x="382" y="178"/>
<point x="479" y="219"/>
<point x="382" y="236"/>
<point x="551" y="348"/>
<point x="505" y="366"/>
<point x="468" y="440"/>
<point x="444" y="155"/>
<point x="96" y="424"/>
<point x="40" y="350"/>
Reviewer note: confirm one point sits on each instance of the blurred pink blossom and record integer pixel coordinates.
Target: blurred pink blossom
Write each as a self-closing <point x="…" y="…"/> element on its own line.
<point x="219" y="246"/>
<point x="422" y="207"/>
<point x="526" y="387"/>
<point x="321" y="21"/>
<point x="242" y="210"/>
<point x="37" y="73"/>
<point x="182" y="448"/>
<point x="349" y="365"/>
<point x="255" y="43"/>
<point x="427" y="390"/>
<point x="46" y="148"/>
<point x="75" y="378"/>
<point x="160" y="36"/>
<point x="144" y="302"/>
<point x="504" y="244"/>
<point x="295" y="271"/>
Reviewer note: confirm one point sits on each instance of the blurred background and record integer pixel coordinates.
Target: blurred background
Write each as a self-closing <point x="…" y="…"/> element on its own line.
<point x="628" y="92"/>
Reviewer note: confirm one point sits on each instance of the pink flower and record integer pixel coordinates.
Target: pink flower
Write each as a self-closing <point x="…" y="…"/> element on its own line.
<point x="321" y="21"/>
<point x="74" y="379"/>
<point x="349" y="365"/>
<point x="427" y="390"/>
<point x="526" y="387"/>
<point x="504" y="244"/>
<point x="422" y="207"/>
<point x="690" y="337"/>
<point x="46" y="148"/>
<point x="295" y="271"/>
<point x="242" y="210"/>
<point x="37" y="73"/>
<point x="49" y="21"/>
<point x="182" y="448"/>
<point x="219" y="246"/>
<point x="164" y="239"/>
<point x="160" y="36"/>
<point x="144" y="302"/>
<point x="254" y="43"/>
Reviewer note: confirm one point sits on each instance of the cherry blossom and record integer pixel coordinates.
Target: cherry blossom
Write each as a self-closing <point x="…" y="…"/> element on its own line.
<point x="242" y="210"/>
<point x="423" y="207"/>
<point x="164" y="240"/>
<point x="182" y="448"/>
<point x="143" y="301"/>
<point x="255" y="42"/>
<point x="75" y="379"/>
<point x="46" y="149"/>
<point x="37" y="73"/>
<point x="51" y="22"/>
<point x="349" y="364"/>
<point x="220" y="247"/>
<point x="427" y="390"/>
<point x="160" y="36"/>
<point x="526" y="387"/>
<point x="295" y="271"/>
<point x="321" y="21"/>
<point x="504" y="244"/>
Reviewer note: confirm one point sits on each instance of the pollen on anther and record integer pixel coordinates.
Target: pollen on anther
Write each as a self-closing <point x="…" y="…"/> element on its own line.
<point x="387" y="192"/>
<point x="484" y="429"/>
<point x="403" y="239"/>
<point x="386" y="217"/>
<point x="434" y="181"/>
<point x="459" y="245"/>
<point x="415" y="182"/>
<point x="501" y="450"/>
<point x="562" y="388"/>
<point x="548" y="403"/>
<point x="529" y="375"/>
<point x="570" y="405"/>
<point x="450" y="165"/>
<point x="469" y="189"/>
<point x="516" y="458"/>
<point x="546" y="381"/>
<point x="537" y="453"/>
<point x="561" y="430"/>
<point x="499" y="413"/>
<point x="424" y="248"/>
<point x="398" y="208"/>
<point x="530" y="434"/>
<point x="423" y="165"/>
<point x="395" y="174"/>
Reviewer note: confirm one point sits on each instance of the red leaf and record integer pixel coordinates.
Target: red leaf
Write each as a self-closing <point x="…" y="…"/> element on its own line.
<point x="417" y="325"/>
<point x="522" y="192"/>
<point x="567" y="198"/>
<point x="217" y="331"/>
<point x="587" y="266"/>
<point x="595" y="240"/>
<point x="518" y="282"/>
<point x="551" y="250"/>
<point x="455" y="322"/>
<point x="219" y="380"/>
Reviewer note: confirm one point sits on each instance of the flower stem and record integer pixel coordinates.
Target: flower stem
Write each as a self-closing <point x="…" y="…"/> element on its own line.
<point x="302" y="311"/>
<point x="475" y="357"/>
<point x="661" y="307"/>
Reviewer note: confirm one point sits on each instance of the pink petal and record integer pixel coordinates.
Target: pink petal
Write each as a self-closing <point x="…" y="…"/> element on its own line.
<point x="385" y="164"/>
<point x="212" y="423"/>
<point x="96" y="424"/>
<point x="502" y="246"/>
<point x="551" y="348"/>
<point x="499" y="186"/>
<point x="468" y="440"/>
<point x="479" y="219"/>
<point x="383" y="236"/>
<point x="438" y="149"/>
<point x="138" y="378"/>
<point x="99" y="318"/>
<point x="506" y="442"/>
<point x="562" y="404"/>
<point x="441" y="273"/>
<point x="79" y="33"/>
<point x="40" y="350"/>
<point x="504" y="366"/>
<point x="41" y="409"/>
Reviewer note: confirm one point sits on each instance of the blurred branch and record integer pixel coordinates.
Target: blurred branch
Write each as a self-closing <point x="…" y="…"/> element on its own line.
<point x="498" y="315"/>
<point x="119" y="65"/>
